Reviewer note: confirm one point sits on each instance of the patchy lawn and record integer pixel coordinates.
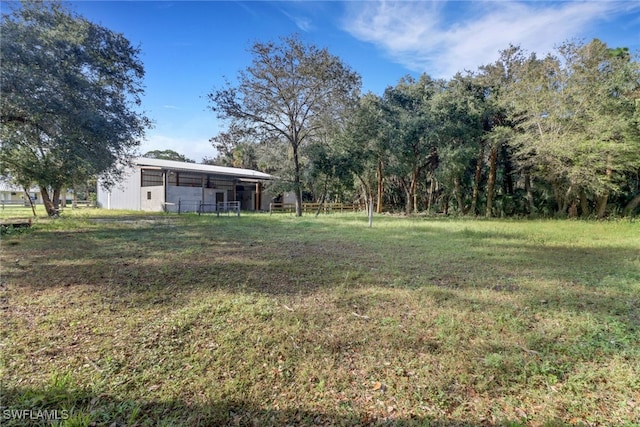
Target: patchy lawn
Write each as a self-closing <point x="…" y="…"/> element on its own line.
<point x="275" y="320"/>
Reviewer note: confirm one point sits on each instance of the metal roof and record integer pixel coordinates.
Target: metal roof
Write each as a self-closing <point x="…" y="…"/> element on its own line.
<point x="199" y="168"/>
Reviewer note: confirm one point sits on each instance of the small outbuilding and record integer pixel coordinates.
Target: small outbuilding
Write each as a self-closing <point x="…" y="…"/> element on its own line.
<point x="11" y="194"/>
<point x="171" y="186"/>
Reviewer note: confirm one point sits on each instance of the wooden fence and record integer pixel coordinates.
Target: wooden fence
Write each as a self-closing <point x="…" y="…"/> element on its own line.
<point x="12" y="203"/>
<point x="25" y="204"/>
<point x="326" y="208"/>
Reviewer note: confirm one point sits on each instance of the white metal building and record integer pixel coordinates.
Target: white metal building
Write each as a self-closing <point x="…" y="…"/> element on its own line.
<point x="10" y="193"/>
<point x="166" y="185"/>
<point x="15" y="195"/>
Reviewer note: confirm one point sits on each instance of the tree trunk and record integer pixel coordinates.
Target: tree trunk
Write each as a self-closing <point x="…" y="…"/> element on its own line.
<point x="507" y="182"/>
<point x="573" y="209"/>
<point x="74" y="202"/>
<point x="296" y="181"/>
<point x="556" y="195"/>
<point x="413" y="191"/>
<point x="601" y="206"/>
<point x="414" y="186"/>
<point x="324" y="195"/>
<point x="527" y="189"/>
<point x="585" y="211"/>
<point x="56" y="199"/>
<point x="476" y="186"/>
<point x="28" y="196"/>
<point x="432" y="186"/>
<point x="407" y="191"/>
<point x="50" y="206"/>
<point x="491" y="183"/>
<point x="407" y="205"/>
<point x="632" y="205"/>
<point x="567" y="199"/>
<point x="457" y="188"/>
<point x="368" y="193"/>
<point x="380" y="188"/>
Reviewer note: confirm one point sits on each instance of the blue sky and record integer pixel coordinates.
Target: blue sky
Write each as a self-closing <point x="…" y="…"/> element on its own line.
<point x="190" y="47"/>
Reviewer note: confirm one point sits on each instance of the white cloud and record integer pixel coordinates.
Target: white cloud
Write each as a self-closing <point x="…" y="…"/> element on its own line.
<point x="303" y="23"/>
<point x="423" y="37"/>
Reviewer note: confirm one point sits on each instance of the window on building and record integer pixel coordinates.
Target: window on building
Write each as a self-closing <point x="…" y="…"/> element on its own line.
<point x="189" y="180"/>
<point x="148" y="195"/>
<point x="151" y="178"/>
<point x="220" y="183"/>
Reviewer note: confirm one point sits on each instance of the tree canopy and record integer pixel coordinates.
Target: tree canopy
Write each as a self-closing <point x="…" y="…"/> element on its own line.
<point x="70" y="93"/>
<point x="167" y="155"/>
<point x="557" y="135"/>
<point x="575" y="117"/>
<point x="292" y="92"/>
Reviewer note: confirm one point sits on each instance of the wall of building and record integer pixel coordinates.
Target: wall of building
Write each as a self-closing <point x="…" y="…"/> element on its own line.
<point x="152" y="198"/>
<point x="13" y="196"/>
<point x="125" y="195"/>
<point x="189" y="198"/>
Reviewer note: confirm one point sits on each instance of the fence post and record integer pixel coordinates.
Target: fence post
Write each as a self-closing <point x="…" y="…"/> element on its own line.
<point x="179" y="202"/>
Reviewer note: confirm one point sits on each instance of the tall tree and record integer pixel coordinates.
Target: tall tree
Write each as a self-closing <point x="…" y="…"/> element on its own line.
<point x="365" y="141"/>
<point x="414" y="132"/>
<point x="287" y="94"/>
<point x="576" y="117"/>
<point x="330" y="174"/>
<point x="498" y="79"/>
<point x="460" y="110"/>
<point x="69" y="92"/>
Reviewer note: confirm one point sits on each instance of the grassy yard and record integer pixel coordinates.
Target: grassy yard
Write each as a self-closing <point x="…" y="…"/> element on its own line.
<point x="275" y="320"/>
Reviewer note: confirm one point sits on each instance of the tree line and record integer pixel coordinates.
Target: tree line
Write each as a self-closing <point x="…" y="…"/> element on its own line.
<point x="557" y="135"/>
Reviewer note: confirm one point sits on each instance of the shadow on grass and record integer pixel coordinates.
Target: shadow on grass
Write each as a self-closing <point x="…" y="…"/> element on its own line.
<point x="152" y="259"/>
<point x="38" y="407"/>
